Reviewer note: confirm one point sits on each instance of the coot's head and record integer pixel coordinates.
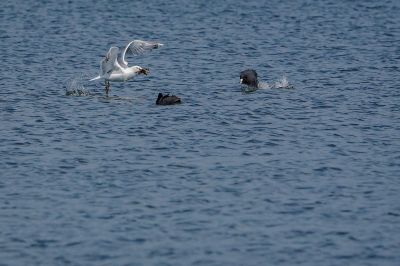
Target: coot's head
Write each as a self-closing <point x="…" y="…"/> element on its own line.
<point x="249" y="77"/>
<point x="160" y="96"/>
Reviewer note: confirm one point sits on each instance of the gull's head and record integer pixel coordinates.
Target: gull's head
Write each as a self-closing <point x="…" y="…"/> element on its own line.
<point x="249" y="77"/>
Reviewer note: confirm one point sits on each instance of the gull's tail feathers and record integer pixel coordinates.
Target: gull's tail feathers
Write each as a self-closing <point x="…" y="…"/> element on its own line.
<point x="96" y="78"/>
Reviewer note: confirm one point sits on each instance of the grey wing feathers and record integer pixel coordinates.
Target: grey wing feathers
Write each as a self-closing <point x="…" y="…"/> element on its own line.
<point x="137" y="47"/>
<point x="120" y="61"/>
<point x="109" y="63"/>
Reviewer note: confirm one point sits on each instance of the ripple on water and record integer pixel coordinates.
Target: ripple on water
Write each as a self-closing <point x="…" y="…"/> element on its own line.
<point x="305" y="167"/>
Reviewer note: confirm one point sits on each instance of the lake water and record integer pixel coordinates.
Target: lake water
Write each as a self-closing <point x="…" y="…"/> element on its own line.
<point x="307" y="175"/>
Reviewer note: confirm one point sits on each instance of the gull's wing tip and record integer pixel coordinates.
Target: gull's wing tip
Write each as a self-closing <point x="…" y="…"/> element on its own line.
<point x="95" y="78"/>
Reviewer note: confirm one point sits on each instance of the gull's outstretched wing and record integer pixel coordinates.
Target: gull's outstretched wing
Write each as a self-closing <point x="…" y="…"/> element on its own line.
<point x="110" y="63"/>
<point x="136" y="47"/>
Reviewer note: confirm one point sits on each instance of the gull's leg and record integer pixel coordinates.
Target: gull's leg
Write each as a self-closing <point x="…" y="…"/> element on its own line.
<point x="107" y="88"/>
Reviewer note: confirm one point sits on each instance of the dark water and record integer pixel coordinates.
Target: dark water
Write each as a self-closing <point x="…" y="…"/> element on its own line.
<point x="308" y="175"/>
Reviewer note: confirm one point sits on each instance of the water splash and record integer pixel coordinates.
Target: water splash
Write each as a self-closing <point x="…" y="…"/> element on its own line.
<point x="75" y="86"/>
<point x="263" y="85"/>
<point x="281" y="83"/>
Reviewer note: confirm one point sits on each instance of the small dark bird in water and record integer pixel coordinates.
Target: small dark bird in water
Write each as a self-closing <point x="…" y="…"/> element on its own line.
<point x="249" y="77"/>
<point x="167" y="100"/>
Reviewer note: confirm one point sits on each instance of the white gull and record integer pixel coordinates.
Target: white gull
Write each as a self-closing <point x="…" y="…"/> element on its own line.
<point x="114" y="67"/>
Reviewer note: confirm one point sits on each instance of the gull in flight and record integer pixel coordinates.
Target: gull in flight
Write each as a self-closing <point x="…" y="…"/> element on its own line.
<point x="114" y="67"/>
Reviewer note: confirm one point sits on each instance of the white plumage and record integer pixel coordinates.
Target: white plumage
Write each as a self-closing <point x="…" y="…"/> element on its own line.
<point x="114" y="66"/>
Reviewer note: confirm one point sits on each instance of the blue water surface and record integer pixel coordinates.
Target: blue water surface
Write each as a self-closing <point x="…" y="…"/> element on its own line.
<point x="307" y="175"/>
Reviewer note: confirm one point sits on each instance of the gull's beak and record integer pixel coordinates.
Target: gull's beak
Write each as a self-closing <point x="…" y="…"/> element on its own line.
<point x="241" y="81"/>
